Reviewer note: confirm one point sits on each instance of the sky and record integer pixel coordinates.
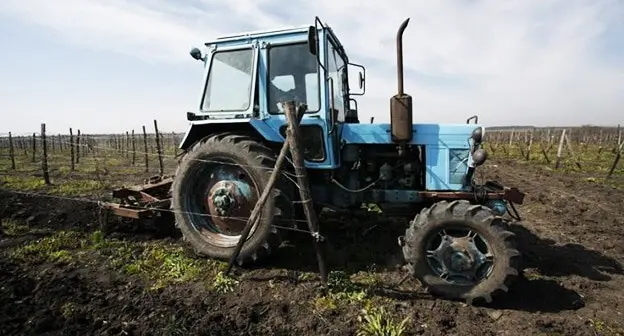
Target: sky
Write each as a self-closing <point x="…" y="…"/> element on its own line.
<point x="115" y="65"/>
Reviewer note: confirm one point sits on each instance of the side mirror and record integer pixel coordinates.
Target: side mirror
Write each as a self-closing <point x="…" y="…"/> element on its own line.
<point x="361" y="80"/>
<point x="312" y="40"/>
<point x="196" y="54"/>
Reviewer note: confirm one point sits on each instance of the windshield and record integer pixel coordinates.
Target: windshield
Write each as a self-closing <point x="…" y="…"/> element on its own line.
<point x="292" y="75"/>
<point x="229" y="81"/>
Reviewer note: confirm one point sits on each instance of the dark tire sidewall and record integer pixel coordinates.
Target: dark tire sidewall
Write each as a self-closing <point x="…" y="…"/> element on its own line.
<point x="490" y="230"/>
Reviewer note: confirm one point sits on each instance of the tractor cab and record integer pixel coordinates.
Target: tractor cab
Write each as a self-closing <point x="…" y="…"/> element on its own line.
<point x="247" y="77"/>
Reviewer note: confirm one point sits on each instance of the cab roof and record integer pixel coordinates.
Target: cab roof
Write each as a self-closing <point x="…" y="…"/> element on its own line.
<point x="260" y="33"/>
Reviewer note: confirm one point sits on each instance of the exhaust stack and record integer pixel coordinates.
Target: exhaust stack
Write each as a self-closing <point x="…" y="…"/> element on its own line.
<point x="401" y="103"/>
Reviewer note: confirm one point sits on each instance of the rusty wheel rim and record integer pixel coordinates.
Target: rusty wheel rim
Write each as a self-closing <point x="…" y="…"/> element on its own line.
<point x="459" y="255"/>
<point x="224" y="194"/>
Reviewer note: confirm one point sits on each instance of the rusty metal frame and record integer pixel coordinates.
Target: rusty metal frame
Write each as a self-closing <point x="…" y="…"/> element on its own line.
<point x="491" y="191"/>
<point x="142" y="201"/>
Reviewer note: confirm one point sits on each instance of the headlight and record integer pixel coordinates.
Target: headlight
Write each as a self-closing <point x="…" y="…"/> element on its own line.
<point x="479" y="156"/>
<point x="477" y="134"/>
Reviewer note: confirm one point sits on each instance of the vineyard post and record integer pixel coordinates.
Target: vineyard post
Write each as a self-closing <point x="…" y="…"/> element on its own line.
<point x="44" y="155"/>
<point x="617" y="159"/>
<point x="133" y="149"/>
<point x="72" y="148"/>
<point x="511" y="137"/>
<point x="173" y="144"/>
<point x="145" y="148"/>
<point x="60" y="141"/>
<point x="34" y="148"/>
<point x="78" y="147"/>
<point x="560" y="149"/>
<point x="256" y="211"/>
<point x="522" y="143"/>
<point x="11" y="151"/>
<point x="159" y="148"/>
<point x="127" y="151"/>
<point x="23" y="145"/>
<point x="293" y="118"/>
<point x="528" y="151"/>
<point x="85" y="143"/>
<point x="619" y="137"/>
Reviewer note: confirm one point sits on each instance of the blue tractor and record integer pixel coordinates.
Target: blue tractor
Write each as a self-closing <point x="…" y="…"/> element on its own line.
<point x="457" y="244"/>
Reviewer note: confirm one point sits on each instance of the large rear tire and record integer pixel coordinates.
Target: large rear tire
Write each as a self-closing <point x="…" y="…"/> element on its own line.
<point x="461" y="251"/>
<point x="215" y="188"/>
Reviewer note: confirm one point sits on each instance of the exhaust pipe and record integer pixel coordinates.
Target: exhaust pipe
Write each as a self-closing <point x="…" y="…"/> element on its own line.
<point x="401" y="103"/>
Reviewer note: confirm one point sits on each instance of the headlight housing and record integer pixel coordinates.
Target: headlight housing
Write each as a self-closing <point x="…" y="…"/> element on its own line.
<point x="478" y="134"/>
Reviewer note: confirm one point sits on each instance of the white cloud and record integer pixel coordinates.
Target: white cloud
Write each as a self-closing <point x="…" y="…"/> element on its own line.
<point x="525" y="61"/>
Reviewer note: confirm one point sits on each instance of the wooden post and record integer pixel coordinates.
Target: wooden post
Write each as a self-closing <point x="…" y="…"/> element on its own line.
<point x="23" y="145"/>
<point x="34" y="148"/>
<point x="145" y="148"/>
<point x="173" y="144"/>
<point x="292" y="136"/>
<point x="44" y="155"/>
<point x="528" y="151"/>
<point x="127" y="151"/>
<point x="11" y="151"/>
<point x="560" y="149"/>
<point x="158" y="148"/>
<point x="255" y="213"/>
<point x="72" y="149"/>
<point x="619" y="139"/>
<point x="78" y="147"/>
<point x="511" y="138"/>
<point x="133" y="149"/>
<point x="618" y="155"/>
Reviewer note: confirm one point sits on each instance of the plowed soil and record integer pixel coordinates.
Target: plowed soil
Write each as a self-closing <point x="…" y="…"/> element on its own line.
<point x="571" y="236"/>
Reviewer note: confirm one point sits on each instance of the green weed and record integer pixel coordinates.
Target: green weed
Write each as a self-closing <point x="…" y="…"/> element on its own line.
<point x="224" y="284"/>
<point x="11" y="227"/>
<point x="164" y="265"/>
<point x="52" y="248"/>
<point x="340" y="290"/>
<point x="377" y="322"/>
<point x="602" y="328"/>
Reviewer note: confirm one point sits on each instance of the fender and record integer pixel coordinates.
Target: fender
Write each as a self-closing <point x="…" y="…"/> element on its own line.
<point x="202" y="128"/>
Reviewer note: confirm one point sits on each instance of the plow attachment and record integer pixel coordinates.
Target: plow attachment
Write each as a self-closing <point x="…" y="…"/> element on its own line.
<point x="142" y="201"/>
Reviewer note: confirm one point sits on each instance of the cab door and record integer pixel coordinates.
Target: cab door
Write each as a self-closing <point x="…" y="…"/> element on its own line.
<point x="337" y="102"/>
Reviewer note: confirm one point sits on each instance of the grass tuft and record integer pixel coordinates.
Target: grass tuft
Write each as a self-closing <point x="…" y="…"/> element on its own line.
<point x="377" y="322"/>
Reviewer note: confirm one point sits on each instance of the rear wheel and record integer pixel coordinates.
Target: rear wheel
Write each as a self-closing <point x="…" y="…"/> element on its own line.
<point x="461" y="251"/>
<point x="215" y="189"/>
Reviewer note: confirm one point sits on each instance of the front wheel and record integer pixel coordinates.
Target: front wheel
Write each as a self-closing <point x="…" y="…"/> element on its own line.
<point x="461" y="251"/>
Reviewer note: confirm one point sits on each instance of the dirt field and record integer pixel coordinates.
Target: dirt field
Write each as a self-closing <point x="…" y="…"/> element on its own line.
<point x="60" y="275"/>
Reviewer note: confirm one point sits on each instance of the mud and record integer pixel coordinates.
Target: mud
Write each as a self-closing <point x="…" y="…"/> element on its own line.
<point x="572" y="238"/>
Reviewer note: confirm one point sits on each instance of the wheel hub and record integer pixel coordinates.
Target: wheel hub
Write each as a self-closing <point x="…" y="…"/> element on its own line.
<point x="461" y="261"/>
<point x="223" y="201"/>
<point x="227" y="205"/>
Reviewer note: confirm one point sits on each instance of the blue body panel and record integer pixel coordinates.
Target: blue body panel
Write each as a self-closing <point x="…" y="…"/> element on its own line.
<point x="443" y="143"/>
